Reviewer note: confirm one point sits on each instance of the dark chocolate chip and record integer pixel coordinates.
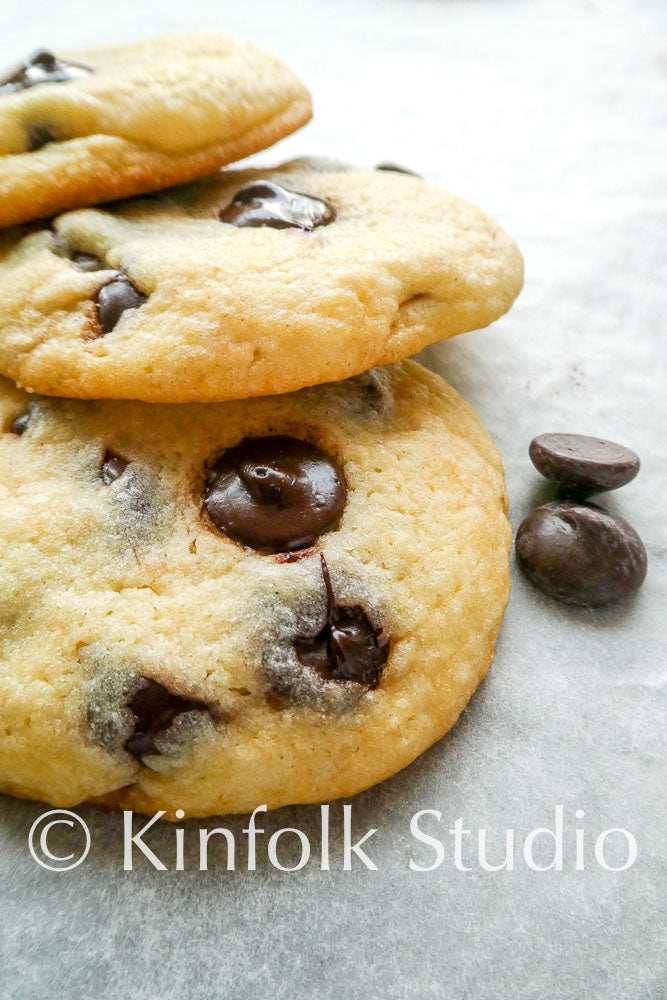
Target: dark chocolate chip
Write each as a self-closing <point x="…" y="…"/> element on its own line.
<point x="264" y="203"/>
<point x="583" y="464"/>
<point x="115" y="298"/>
<point x="40" y="136"/>
<point x="41" y="67"/>
<point x="276" y="494"/>
<point x="396" y="169"/>
<point x="113" y="467"/>
<point x="155" y="710"/>
<point x="349" y="647"/>
<point x="19" y="425"/>
<point x="580" y="554"/>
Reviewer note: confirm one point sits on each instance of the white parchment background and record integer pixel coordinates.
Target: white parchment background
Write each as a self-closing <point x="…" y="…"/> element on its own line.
<point x="553" y="116"/>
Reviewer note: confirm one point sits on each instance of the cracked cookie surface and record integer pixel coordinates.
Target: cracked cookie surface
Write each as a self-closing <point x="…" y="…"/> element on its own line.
<point x="104" y="123"/>
<point x="248" y="283"/>
<point x="148" y="660"/>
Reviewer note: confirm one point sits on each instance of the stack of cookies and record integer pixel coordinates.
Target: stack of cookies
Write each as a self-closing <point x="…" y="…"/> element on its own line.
<point x="242" y="564"/>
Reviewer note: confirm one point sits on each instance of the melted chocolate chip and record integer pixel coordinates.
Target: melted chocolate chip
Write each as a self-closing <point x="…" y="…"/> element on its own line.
<point x="349" y="647"/>
<point x="42" y="67"/>
<point x="580" y="554"/>
<point x="583" y="464"/>
<point x="155" y="710"/>
<point x="264" y="203"/>
<point x="113" y="468"/>
<point x="276" y="494"/>
<point x="396" y="169"/>
<point x="40" y="136"/>
<point x="114" y="298"/>
<point x="19" y="425"/>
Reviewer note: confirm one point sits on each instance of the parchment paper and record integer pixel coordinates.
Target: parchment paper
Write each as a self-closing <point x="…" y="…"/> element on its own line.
<point x="553" y="117"/>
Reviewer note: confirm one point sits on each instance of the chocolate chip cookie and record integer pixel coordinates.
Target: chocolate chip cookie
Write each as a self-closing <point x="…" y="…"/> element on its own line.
<point x="106" y="123"/>
<point x="248" y="283"/>
<point x="213" y="607"/>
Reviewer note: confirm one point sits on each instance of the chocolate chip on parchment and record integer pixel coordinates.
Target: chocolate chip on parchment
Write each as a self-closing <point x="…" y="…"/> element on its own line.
<point x="583" y="464"/>
<point x="114" y="299"/>
<point x="265" y="203"/>
<point x="580" y="554"/>
<point x="275" y="494"/>
<point x="41" y="67"/>
<point x="349" y="647"/>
